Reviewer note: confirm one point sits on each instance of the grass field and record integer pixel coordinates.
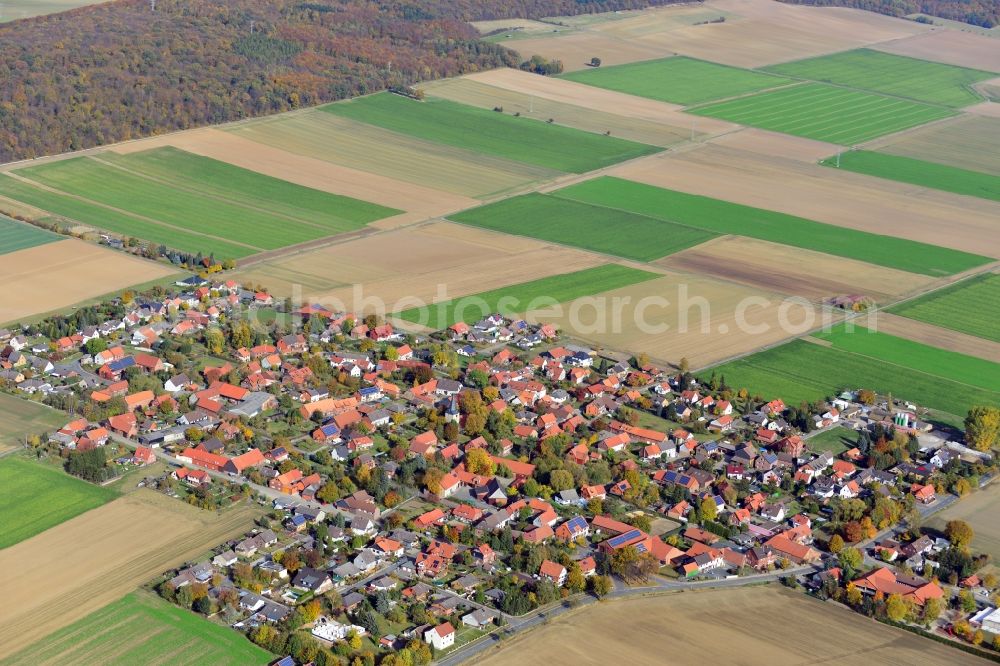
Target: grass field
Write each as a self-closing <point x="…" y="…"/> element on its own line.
<point x="19" y="417"/>
<point x="919" y="80"/>
<point x="522" y="139"/>
<point x="825" y="113"/>
<point x="527" y="296"/>
<point x="970" y="306"/>
<point x="678" y="80"/>
<point x="930" y="377"/>
<point x="920" y="172"/>
<point x="141" y="628"/>
<point x="16" y="235"/>
<point x="836" y="440"/>
<point x="722" y="217"/>
<point x="36" y="497"/>
<point x="580" y="224"/>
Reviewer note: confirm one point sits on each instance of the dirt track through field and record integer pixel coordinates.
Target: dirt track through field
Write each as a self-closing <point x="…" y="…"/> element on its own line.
<point x="73" y="569"/>
<point x="935" y="336"/>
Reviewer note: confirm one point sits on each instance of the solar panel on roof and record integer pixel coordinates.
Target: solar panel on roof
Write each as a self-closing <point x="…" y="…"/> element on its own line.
<point x="624" y="538"/>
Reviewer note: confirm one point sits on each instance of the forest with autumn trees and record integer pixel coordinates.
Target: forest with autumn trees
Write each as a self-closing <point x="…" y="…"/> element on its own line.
<point x="121" y="70"/>
<point x="984" y="13"/>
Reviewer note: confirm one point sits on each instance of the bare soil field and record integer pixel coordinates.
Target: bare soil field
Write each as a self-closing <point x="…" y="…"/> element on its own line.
<point x="337" y="140"/>
<point x="57" y="275"/>
<point x="988" y="109"/>
<point x="719" y="626"/>
<point x="412" y="263"/>
<point x="935" y="336"/>
<point x="826" y="195"/>
<point x="949" y="46"/>
<point x="968" y="142"/>
<point x="310" y="172"/>
<point x="94" y="559"/>
<point x="776" y="144"/>
<point x="681" y="315"/>
<point x="790" y="270"/>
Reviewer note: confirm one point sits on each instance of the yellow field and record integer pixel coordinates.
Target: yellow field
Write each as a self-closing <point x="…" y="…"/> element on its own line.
<point x="750" y="625"/>
<point x="968" y="142"/>
<point x="85" y="563"/>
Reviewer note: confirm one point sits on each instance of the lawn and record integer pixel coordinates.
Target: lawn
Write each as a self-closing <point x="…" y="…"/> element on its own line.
<point x="141" y="628"/>
<point x="16" y="235"/>
<point x="920" y="172"/>
<point x="920" y="80"/>
<point x="722" y="217"/>
<point x="20" y="417"/>
<point x="826" y="113"/>
<point x="678" y="80"/>
<point x="527" y="296"/>
<point x="491" y="133"/>
<point x="36" y="497"/>
<point x="836" y="440"/>
<point x="580" y="224"/>
<point x="970" y="306"/>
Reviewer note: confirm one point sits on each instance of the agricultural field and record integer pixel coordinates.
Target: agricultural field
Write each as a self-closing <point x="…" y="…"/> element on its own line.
<point x="825" y="113"/>
<point x="20" y="417"/>
<point x="679" y="80"/>
<point x="584" y="225"/>
<point x="969" y="306"/>
<point x="527" y="296"/>
<point x="955" y="47"/>
<point x="58" y="275"/>
<point x="142" y="628"/>
<point x="521" y="139"/>
<point x="938" y="336"/>
<point x="596" y="633"/>
<point x="16" y="236"/>
<point x="94" y="559"/>
<point x="865" y="69"/>
<point x="836" y="440"/>
<point x="723" y="217"/>
<point x="979" y="510"/>
<point x="36" y="497"/>
<point x="920" y="172"/>
<point x="13" y="10"/>
<point x="969" y="142"/>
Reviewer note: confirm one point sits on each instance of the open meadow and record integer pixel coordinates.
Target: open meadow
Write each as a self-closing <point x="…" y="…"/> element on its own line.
<point x="920" y="172"/>
<point x="695" y="627"/>
<point x="980" y="510"/>
<point x="20" y="417"/>
<point x="968" y="142"/>
<point x="85" y="563"/>
<point x="142" y="628"/>
<point x="970" y="306"/>
<point x="35" y="497"/>
<point x="15" y="235"/>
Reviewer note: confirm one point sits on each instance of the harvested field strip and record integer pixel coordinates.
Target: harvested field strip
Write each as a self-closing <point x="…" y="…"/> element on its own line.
<point x="521" y="139"/>
<point x="919" y="80"/>
<point x="970" y="306"/>
<point x="142" y="628"/>
<point x="969" y="142"/>
<point x="723" y="217"/>
<point x="920" y="172"/>
<point x="35" y="497"/>
<point x="16" y="235"/>
<point x="937" y="336"/>
<point x="527" y="296"/>
<point x="825" y="113"/>
<point x="103" y="217"/>
<point x="580" y="224"/>
<point x="679" y="80"/>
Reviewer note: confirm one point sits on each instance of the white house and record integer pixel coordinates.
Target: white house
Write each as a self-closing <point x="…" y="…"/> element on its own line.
<point x="441" y="637"/>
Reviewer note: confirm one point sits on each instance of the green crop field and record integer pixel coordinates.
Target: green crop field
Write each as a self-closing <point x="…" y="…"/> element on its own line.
<point x="527" y="296"/>
<point x="970" y="306"/>
<point x="723" y="217"/>
<point x="141" y="628"/>
<point x="805" y="371"/>
<point x="919" y="80"/>
<point x="920" y="172"/>
<point x="491" y="133"/>
<point x="591" y="227"/>
<point x="19" y="417"/>
<point x="16" y="235"/>
<point x="825" y="113"/>
<point x="678" y="80"/>
<point x="36" y="497"/>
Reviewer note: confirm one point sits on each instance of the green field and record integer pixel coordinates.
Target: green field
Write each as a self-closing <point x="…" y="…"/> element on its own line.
<point x="591" y="227"/>
<point x="919" y="80"/>
<point x="20" y="417"/>
<point x="520" y="298"/>
<point x="16" y="235"/>
<point x="188" y="202"/>
<point x="36" y="497"/>
<point x="522" y="139"/>
<point x="920" y="172"/>
<point x="928" y="376"/>
<point x="722" y="217"/>
<point x="836" y="440"/>
<point x="970" y="306"/>
<point x="678" y="80"/>
<point x="13" y="10"/>
<point x="141" y="628"/>
<point x="825" y="113"/>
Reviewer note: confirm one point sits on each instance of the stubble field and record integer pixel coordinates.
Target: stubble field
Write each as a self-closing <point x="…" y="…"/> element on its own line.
<point x="980" y="511"/>
<point x="969" y="142"/>
<point x="938" y="336"/>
